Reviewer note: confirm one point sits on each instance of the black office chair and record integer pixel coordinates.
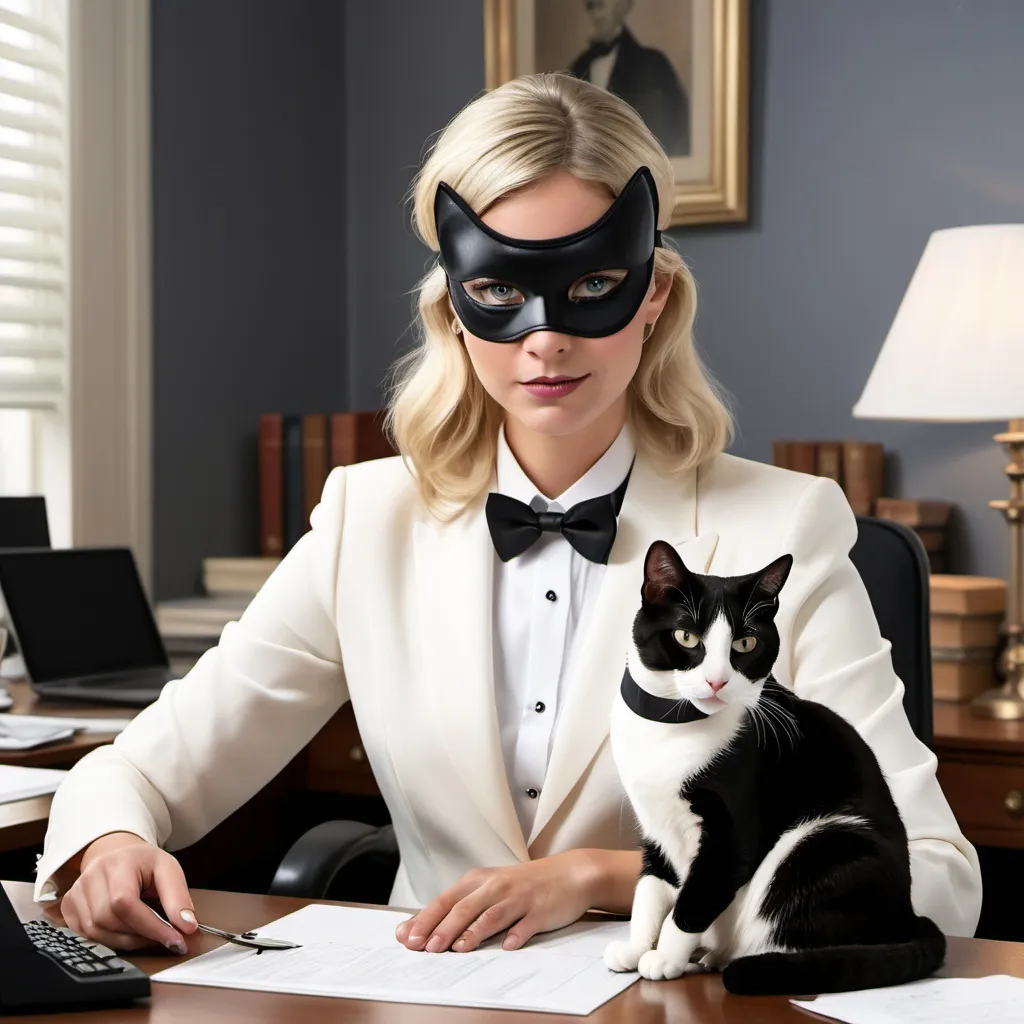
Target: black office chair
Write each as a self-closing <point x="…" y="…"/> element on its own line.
<point x="894" y="566"/>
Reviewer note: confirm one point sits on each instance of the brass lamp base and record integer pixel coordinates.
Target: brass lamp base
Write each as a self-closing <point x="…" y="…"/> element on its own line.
<point x="1003" y="702"/>
<point x="1007" y="701"/>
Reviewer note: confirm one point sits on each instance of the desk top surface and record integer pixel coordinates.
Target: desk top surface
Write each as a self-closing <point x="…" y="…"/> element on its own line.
<point x="699" y="998"/>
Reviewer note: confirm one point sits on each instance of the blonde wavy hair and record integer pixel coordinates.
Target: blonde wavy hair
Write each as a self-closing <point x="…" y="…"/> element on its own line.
<point x="439" y="417"/>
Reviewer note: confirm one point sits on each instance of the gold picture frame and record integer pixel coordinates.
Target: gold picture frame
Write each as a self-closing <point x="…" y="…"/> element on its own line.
<point x="712" y="174"/>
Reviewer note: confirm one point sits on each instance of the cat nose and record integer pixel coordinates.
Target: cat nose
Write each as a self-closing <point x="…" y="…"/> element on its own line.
<point x="716" y="684"/>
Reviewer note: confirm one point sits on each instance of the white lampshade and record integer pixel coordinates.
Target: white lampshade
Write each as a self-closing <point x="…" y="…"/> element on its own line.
<point x="955" y="351"/>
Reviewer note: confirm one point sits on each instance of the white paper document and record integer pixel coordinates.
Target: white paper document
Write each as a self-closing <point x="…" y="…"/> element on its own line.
<point x="18" y="782"/>
<point x="998" y="999"/>
<point x="352" y="952"/>
<point x="66" y="721"/>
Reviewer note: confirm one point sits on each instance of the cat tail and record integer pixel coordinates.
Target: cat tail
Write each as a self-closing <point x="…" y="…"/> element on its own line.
<point x="839" y="968"/>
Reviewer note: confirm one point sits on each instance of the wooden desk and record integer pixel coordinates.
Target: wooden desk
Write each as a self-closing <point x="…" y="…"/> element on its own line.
<point x="688" y="1001"/>
<point x="66" y="753"/>
<point x="981" y="771"/>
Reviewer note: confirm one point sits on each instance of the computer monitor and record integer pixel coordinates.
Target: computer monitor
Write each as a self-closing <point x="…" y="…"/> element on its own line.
<point x="23" y="522"/>
<point x="79" y="611"/>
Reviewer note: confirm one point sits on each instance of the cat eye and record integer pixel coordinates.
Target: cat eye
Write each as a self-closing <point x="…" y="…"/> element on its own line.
<point x="685" y="638"/>
<point x="745" y="644"/>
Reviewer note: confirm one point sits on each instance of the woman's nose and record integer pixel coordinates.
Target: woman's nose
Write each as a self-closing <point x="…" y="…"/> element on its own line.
<point x="545" y="342"/>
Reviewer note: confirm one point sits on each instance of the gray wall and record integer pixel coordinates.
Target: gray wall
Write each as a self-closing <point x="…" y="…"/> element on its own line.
<point x="872" y="124"/>
<point x="249" y="257"/>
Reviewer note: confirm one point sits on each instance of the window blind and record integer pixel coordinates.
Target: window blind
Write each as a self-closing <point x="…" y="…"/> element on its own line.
<point x="33" y="203"/>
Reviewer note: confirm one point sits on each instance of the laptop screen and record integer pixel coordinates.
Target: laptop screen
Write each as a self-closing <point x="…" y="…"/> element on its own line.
<point x="79" y="611"/>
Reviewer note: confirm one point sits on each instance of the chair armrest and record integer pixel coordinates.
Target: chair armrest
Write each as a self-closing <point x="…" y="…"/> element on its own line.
<point x="315" y="858"/>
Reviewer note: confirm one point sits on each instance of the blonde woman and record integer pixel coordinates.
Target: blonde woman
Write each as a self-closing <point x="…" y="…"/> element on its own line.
<point x="473" y="597"/>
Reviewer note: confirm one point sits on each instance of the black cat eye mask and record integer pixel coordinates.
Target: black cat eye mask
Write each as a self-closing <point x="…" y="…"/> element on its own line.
<point x="544" y="270"/>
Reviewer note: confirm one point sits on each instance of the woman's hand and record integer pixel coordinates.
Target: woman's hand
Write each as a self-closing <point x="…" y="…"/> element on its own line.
<point x="105" y="902"/>
<point x="536" y="896"/>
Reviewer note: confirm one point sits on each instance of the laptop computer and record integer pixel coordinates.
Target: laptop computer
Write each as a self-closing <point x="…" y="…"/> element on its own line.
<point x="84" y="625"/>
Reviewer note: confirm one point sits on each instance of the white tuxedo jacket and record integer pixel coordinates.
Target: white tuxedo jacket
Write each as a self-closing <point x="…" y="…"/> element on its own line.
<point x="385" y="606"/>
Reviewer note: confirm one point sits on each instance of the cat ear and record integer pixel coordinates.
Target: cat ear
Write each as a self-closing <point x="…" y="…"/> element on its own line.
<point x="663" y="571"/>
<point x="771" y="578"/>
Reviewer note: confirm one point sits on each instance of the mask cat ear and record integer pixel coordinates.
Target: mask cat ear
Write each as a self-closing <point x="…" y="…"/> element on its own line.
<point x="771" y="578"/>
<point x="663" y="571"/>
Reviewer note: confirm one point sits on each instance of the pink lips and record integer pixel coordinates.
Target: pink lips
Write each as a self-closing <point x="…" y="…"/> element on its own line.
<point x="554" y="390"/>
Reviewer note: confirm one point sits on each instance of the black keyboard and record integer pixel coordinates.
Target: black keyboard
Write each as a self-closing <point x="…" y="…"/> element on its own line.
<point x="74" y="953"/>
<point x="43" y="968"/>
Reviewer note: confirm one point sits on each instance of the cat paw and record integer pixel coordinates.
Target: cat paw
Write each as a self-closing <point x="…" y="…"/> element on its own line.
<point x="621" y="956"/>
<point x="658" y="966"/>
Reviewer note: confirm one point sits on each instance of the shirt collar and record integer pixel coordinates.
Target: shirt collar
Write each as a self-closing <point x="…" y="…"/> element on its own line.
<point x="602" y="478"/>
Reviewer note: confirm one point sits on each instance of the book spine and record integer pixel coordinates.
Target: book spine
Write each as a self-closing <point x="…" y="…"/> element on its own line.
<point x="314" y="462"/>
<point x="913" y="513"/>
<point x="373" y="441"/>
<point x="830" y="460"/>
<point x="962" y="680"/>
<point x="291" y="438"/>
<point x="803" y="456"/>
<point x="343" y="439"/>
<point x="863" y="464"/>
<point x="270" y="485"/>
<point x="781" y="454"/>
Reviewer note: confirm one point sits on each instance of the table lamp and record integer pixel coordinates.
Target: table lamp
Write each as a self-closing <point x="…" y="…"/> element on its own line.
<point x="955" y="353"/>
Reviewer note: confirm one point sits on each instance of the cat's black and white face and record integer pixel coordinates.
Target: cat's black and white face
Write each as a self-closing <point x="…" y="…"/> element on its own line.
<point x="710" y="640"/>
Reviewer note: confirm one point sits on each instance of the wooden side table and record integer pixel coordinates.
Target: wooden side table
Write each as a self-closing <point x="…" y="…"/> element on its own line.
<point x="981" y="771"/>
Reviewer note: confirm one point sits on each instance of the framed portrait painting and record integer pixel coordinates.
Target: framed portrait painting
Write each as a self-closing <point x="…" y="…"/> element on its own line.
<point x="682" y="64"/>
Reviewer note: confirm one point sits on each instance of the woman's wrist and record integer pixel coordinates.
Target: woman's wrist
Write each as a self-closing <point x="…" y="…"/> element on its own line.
<point x="609" y="878"/>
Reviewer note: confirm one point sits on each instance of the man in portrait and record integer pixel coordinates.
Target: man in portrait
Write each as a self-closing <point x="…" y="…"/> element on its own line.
<point x="641" y="75"/>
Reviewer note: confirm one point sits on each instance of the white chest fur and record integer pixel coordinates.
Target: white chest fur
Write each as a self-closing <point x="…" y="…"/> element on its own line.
<point x="653" y="760"/>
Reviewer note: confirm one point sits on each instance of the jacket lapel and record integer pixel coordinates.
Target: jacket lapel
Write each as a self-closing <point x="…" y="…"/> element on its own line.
<point x="454" y="571"/>
<point x="653" y="509"/>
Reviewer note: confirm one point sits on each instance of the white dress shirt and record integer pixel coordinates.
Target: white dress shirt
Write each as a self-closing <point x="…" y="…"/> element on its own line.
<point x="541" y="597"/>
<point x="601" y="67"/>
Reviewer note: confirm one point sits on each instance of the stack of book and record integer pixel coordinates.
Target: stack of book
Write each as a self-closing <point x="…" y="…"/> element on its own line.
<point x="857" y="466"/>
<point x="928" y="519"/>
<point x="236" y="575"/>
<point x="190" y="626"/>
<point x="966" y="612"/>
<point x="296" y="452"/>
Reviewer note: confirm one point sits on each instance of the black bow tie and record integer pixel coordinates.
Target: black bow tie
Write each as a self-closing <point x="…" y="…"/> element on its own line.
<point x="588" y="526"/>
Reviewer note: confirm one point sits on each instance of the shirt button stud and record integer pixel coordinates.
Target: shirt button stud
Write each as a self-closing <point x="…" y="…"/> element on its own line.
<point x="539" y="707"/>
<point x="551" y="595"/>
<point x="532" y="794"/>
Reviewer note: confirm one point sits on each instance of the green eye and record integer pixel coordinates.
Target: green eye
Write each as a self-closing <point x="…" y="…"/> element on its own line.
<point x="745" y="644"/>
<point x="685" y="638"/>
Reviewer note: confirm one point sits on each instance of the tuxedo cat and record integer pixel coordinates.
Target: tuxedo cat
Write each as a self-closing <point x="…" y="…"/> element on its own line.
<point x="770" y="838"/>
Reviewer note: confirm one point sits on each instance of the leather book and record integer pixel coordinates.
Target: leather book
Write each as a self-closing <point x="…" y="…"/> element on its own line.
<point x="803" y="457"/>
<point x="863" y="465"/>
<point x="357" y="437"/>
<point x="780" y="454"/>
<point x="294" y="503"/>
<point x="314" y="461"/>
<point x="830" y="460"/>
<point x="913" y="512"/>
<point x="271" y="485"/>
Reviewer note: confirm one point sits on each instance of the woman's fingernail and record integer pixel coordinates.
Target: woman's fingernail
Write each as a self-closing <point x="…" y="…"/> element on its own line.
<point x="177" y="947"/>
<point x="187" y="915"/>
<point x="460" y="944"/>
<point x="435" y="945"/>
<point x="415" y="936"/>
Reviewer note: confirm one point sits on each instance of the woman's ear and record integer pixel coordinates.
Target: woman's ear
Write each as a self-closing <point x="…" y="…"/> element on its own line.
<point x="661" y="288"/>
